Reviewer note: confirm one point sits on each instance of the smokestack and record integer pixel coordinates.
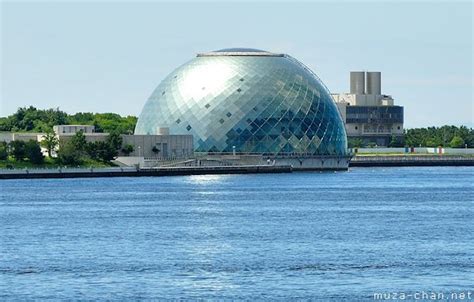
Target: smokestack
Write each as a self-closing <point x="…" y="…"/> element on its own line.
<point x="357" y="82"/>
<point x="374" y="83"/>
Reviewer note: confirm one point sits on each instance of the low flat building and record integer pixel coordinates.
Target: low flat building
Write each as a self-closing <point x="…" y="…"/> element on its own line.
<point x="20" y="136"/>
<point x="68" y="129"/>
<point x="160" y="146"/>
<point x="368" y="114"/>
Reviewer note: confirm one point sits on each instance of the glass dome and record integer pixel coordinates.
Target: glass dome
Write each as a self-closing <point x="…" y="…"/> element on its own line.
<point x="270" y="104"/>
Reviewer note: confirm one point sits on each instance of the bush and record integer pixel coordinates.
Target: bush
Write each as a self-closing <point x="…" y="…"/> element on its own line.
<point x="127" y="149"/>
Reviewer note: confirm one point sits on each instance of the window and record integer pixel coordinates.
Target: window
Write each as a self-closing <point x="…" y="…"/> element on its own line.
<point x="221" y="121"/>
<point x="356" y="127"/>
<point x="239" y="90"/>
<point x="229" y="114"/>
<point x="188" y="127"/>
<point x="398" y="127"/>
<point x="178" y="121"/>
<point x="163" y="93"/>
<point x="207" y="106"/>
<point x="241" y="79"/>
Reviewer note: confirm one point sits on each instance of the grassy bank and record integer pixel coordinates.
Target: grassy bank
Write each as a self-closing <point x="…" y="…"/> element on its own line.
<point x="49" y="163"/>
<point x="412" y="154"/>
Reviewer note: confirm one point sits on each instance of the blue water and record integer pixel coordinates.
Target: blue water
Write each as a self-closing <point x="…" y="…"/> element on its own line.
<point x="316" y="235"/>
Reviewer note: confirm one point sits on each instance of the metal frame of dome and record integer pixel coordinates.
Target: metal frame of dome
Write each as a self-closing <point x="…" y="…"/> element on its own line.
<point x="240" y="52"/>
<point x="250" y="101"/>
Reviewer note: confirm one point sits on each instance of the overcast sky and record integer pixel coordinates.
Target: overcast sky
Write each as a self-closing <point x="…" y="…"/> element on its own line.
<point x="109" y="56"/>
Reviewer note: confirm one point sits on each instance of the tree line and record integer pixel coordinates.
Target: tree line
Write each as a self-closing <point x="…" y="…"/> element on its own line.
<point x="445" y="136"/>
<point x="31" y="119"/>
<point x="73" y="152"/>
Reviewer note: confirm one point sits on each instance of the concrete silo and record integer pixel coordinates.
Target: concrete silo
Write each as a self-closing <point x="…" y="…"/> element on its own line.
<point x="357" y="82"/>
<point x="374" y="85"/>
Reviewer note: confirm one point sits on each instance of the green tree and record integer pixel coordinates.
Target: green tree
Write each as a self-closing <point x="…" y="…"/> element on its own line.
<point x="37" y="120"/>
<point x="106" y="151"/>
<point x="17" y="150"/>
<point x="3" y="150"/>
<point x="79" y="141"/>
<point x="33" y="152"/>
<point x="50" y="142"/>
<point x="69" y="155"/>
<point x="127" y="149"/>
<point x="396" y="141"/>
<point x="115" y="140"/>
<point x="355" y="143"/>
<point x="457" y="142"/>
<point x="103" y="151"/>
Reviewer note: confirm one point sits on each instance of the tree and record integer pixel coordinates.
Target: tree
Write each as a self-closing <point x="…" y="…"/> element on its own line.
<point x="457" y="142"/>
<point x="3" y="150"/>
<point x="68" y="154"/>
<point x="78" y="141"/>
<point x="106" y="151"/>
<point x="17" y="150"/>
<point x="103" y="151"/>
<point x="127" y="149"/>
<point x="33" y="152"/>
<point x="355" y="143"/>
<point x="50" y="142"/>
<point x="396" y="141"/>
<point x="115" y="140"/>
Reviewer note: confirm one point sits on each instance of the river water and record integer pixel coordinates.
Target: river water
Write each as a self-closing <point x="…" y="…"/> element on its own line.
<point x="339" y="236"/>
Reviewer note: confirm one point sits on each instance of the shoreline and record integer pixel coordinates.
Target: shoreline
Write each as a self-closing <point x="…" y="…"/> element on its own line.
<point x="357" y="161"/>
<point x="134" y="172"/>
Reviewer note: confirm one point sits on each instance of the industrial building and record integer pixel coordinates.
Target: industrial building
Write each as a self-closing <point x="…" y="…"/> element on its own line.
<point x="249" y="101"/>
<point x="160" y="146"/>
<point x="368" y="114"/>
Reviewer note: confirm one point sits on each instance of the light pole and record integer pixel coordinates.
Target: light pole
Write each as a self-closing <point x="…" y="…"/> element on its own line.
<point x="139" y="156"/>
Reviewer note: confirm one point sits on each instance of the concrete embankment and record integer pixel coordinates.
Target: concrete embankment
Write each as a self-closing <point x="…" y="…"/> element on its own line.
<point x="133" y="172"/>
<point x="401" y="161"/>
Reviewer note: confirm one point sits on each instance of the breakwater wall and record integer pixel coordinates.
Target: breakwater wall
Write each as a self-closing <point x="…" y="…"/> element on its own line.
<point x="134" y="172"/>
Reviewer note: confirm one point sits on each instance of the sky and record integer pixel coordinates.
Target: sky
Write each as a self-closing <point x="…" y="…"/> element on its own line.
<point x="108" y="56"/>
